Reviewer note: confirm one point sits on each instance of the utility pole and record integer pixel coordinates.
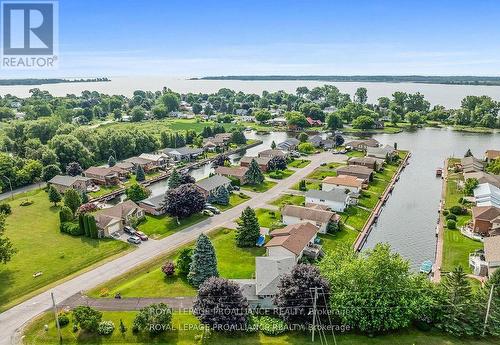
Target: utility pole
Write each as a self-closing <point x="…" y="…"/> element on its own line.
<point x="488" y="309"/>
<point x="314" y="313"/>
<point x="55" y="315"/>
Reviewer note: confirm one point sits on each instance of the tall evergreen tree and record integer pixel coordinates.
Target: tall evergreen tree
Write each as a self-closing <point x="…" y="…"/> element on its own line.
<point x="254" y="174"/>
<point x="220" y="196"/>
<point x="273" y="145"/>
<point x="72" y="199"/>
<point x="493" y="324"/>
<point x="139" y="174"/>
<point x="7" y="250"/>
<point x="204" y="262"/>
<point x="248" y="229"/>
<point x="54" y="195"/>
<point x="174" y="180"/>
<point x="111" y="161"/>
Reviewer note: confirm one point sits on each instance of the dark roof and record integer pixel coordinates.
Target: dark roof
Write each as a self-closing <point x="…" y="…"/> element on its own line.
<point x="66" y="180"/>
<point x="213" y="182"/>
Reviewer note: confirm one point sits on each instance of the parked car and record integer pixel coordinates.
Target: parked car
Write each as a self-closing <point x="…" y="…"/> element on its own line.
<point x="212" y="209"/>
<point x="141" y="235"/>
<point x="207" y="204"/>
<point x="134" y="240"/>
<point x="207" y="213"/>
<point x="236" y="187"/>
<point x="129" y="230"/>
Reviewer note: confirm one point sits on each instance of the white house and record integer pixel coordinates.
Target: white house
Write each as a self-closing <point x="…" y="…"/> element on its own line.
<point x="487" y="194"/>
<point x="336" y="199"/>
<point x="292" y="214"/>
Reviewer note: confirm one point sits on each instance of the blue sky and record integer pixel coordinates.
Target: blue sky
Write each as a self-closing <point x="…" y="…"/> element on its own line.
<point x="197" y="38"/>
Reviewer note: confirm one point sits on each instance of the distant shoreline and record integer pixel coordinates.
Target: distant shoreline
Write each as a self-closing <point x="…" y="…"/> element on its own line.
<point x="30" y="81"/>
<point x="419" y="79"/>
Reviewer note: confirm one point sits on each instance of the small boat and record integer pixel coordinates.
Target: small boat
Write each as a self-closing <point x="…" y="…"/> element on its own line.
<point x="439" y="172"/>
<point x="426" y="267"/>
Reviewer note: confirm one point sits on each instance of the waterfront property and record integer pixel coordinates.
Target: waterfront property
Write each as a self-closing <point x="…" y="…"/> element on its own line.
<point x="483" y="177"/>
<point x="65" y="182"/>
<point x="271" y="153"/>
<point x="471" y="164"/>
<point x="294" y="241"/>
<point x="236" y="173"/>
<point x="154" y="205"/>
<point x="486" y="220"/>
<point x="288" y="145"/>
<point x="351" y="183"/>
<point x="208" y="185"/>
<point x="362" y="144"/>
<point x="486" y="262"/>
<point x="183" y="153"/>
<point x="383" y="152"/>
<point x="292" y="214"/>
<point x="487" y="194"/>
<point x="145" y="163"/>
<point x="369" y="162"/>
<point x="111" y="220"/>
<point x="491" y="155"/>
<point x="361" y="172"/>
<point x="102" y="176"/>
<point x="336" y="199"/>
<point x="263" y="162"/>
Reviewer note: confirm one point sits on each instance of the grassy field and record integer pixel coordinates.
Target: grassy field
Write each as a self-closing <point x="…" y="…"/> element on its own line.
<point x="103" y="190"/>
<point x="282" y="174"/>
<point x="309" y="185"/>
<point x="299" y="163"/>
<point x="354" y="153"/>
<point x="288" y="199"/>
<point x="185" y="332"/>
<point x="264" y="186"/>
<point x="331" y="242"/>
<point x="267" y="218"/>
<point x="161" y="226"/>
<point x="234" y="200"/>
<point x="149" y="280"/>
<point x="368" y="200"/>
<point x="355" y="217"/>
<point x="34" y="232"/>
<point x="320" y="174"/>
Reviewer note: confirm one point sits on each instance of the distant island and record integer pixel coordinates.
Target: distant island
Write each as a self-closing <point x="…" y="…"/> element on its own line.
<point x="452" y="80"/>
<point x="49" y="81"/>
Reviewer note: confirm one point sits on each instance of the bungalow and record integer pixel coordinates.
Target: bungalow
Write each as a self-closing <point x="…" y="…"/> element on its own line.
<point x="292" y="214"/>
<point x="123" y="169"/>
<point x="487" y="194"/>
<point x="351" y="183"/>
<point x="385" y="152"/>
<point x="159" y="160"/>
<point x="336" y="199"/>
<point x="146" y="164"/>
<point x="362" y="144"/>
<point x="64" y="182"/>
<point x="237" y="173"/>
<point x="272" y="153"/>
<point x="491" y="155"/>
<point x="471" y="164"/>
<point x="362" y="172"/>
<point x="483" y="177"/>
<point x="277" y="121"/>
<point x="102" y="175"/>
<point x="292" y="240"/>
<point x="316" y="140"/>
<point x="111" y="220"/>
<point x="210" y="144"/>
<point x="369" y="162"/>
<point x="313" y="122"/>
<point x="486" y="220"/>
<point x="153" y="205"/>
<point x="288" y="145"/>
<point x="183" y="153"/>
<point x="208" y="185"/>
<point x="263" y="162"/>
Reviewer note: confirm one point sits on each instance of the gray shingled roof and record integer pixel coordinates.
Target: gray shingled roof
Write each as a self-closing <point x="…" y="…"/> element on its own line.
<point x="336" y="194"/>
<point x="66" y="180"/>
<point x="211" y="183"/>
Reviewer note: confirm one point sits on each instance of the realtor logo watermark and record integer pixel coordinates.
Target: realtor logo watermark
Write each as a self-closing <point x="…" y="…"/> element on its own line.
<point x="29" y="34"/>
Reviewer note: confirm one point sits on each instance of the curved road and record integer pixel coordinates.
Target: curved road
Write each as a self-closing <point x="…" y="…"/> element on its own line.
<point x="12" y="320"/>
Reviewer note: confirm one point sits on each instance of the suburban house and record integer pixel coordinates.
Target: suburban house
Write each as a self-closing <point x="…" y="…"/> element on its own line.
<point x="352" y="183"/>
<point x="211" y="145"/>
<point x="471" y="164"/>
<point x="336" y="199"/>
<point x="316" y="140"/>
<point x="237" y="173"/>
<point x="293" y="240"/>
<point x="183" y="153"/>
<point x="291" y="214"/>
<point x="159" y="160"/>
<point x="491" y="155"/>
<point x="270" y="153"/>
<point x="383" y="152"/>
<point x="260" y="291"/>
<point x="154" y="205"/>
<point x="486" y="262"/>
<point x="486" y="220"/>
<point x="146" y="164"/>
<point x="123" y="169"/>
<point x="208" y="185"/>
<point x="369" y="162"/>
<point x="362" y="145"/>
<point x="313" y="122"/>
<point x="359" y="171"/>
<point x="288" y="145"/>
<point x="487" y="194"/>
<point x="102" y="175"/>
<point x="64" y="182"/>
<point x="277" y="121"/>
<point x="111" y="220"/>
<point x="263" y="162"/>
<point x="483" y="177"/>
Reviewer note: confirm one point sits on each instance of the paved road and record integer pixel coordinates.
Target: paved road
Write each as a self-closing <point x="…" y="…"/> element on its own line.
<point x="24" y="189"/>
<point x="12" y="320"/>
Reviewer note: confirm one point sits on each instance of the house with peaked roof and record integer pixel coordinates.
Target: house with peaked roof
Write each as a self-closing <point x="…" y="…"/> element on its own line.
<point x="362" y="144"/>
<point x="313" y="122"/>
<point x="208" y="185"/>
<point x="102" y="175"/>
<point x="491" y="155"/>
<point x="288" y="145"/>
<point x="111" y="220"/>
<point x="263" y="162"/>
<point x="292" y="240"/>
<point x="183" y="153"/>
<point x="270" y="153"/>
<point x="486" y="220"/>
<point x="483" y="177"/>
<point x="487" y="194"/>
<point x="383" y="152"/>
<point x="292" y="214"/>
<point x="237" y="173"/>
<point x="369" y="162"/>
<point x="154" y="205"/>
<point x="146" y="164"/>
<point x="471" y="164"/>
<point x="359" y="171"/>
<point x="336" y="199"/>
<point x="351" y="183"/>
<point x="64" y="182"/>
<point x="159" y="160"/>
<point x="492" y="253"/>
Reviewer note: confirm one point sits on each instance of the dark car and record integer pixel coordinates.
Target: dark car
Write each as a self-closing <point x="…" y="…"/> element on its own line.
<point x="134" y="240"/>
<point x="129" y="230"/>
<point x="141" y="235"/>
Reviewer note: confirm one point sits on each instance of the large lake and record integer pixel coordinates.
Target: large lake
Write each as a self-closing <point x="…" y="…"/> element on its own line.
<point x="447" y="95"/>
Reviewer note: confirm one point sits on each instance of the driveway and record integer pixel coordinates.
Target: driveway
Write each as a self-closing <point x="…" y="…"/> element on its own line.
<point x="12" y="320"/>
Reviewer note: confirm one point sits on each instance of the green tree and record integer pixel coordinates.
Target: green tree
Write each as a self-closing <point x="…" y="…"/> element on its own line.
<point x="197" y="108"/>
<point x="72" y="200"/>
<point x="333" y="121"/>
<point x="413" y="117"/>
<point x="296" y="119"/>
<point x="65" y="215"/>
<point x="174" y="180"/>
<point x="470" y="185"/>
<point x="87" y="318"/>
<point x="137" y="192"/>
<point x="49" y="171"/>
<point x="111" y="161"/>
<point x="248" y="229"/>
<point x="170" y="100"/>
<point x="7" y="250"/>
<point x="137" y="114"/>
<point x="363" y="122"/>
<point x="155" y="318"/>
<point x="54" y="195"/>
<point x="306" y="148"/>
<point x="220" y="196"/>
<point x="361" y="95"/>
<point x="493" y="325"/>
<point x="139" y="174"/>
<point x="160" y="111"/>
<point x="273" y="145"/>
<point x="204" y="262"/>
<point x="69" y="149"/>
<point x="183" y="263"/>
<point x="303" y="137"/>
<point x="262" y="115"/>
<point x="254" y="175"/>
<point x="238" y="138"/>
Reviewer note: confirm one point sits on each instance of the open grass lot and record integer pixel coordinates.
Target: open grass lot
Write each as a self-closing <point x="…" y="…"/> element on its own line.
<point x="453" y="193"/>
<point x="149" y="280"/>
<point x="456" y="250"/>
<point x="368" y="200"/>
<point x="288" y="199"/>
<point x="354" y="153"/>
<point x="309" y="185"/>
<point x="34" y="232"/>
<point x="355" y="217"/>
<point x="281" y="174"/>
<point x="320" y="174"/>
<point x="264" y="186"/>
<point x="299" y="163"/>
<point x="267" y="218"/>
<point x="103" y="190"/>
<point x="161" y="226"/>
<point x="331" y="242"/>
<point x="234" y="200"/>
<point x="184" y="332"/>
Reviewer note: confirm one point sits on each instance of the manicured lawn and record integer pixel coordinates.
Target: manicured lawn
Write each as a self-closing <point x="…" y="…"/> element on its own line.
<point x="235" y="199"/>
<point x="185" y="330"/>
<point x="34" y="232"/>
<point x="288" y="199"/>
<point x="309" y="185"/>
<point x="453" y="193"/>
<point x="331" y="242"/>
<point x="268" y="218"/>
<point x="320" y="174"/>
<point x="378" y="186"/>
<point x="264" y="186"/>
<point x="355" y="217"/>
<point x="282" y="174"/>
<point x="149" y="280"/>
<point x="456" y="250"/>
<point x="103" y="190"/>
<point x="355" y="154"/>
<point x="161" y="226"/>
<point x="299" y="163"/>
<point x="368" y="200"/>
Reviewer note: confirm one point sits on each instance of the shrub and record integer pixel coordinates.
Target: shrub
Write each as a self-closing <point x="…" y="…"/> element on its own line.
<point x="63" y="319"/>
<point x="26" y="202"/>
<point x="87" y="318"/>
<point x="5" y="209"/>
<point x="88" y="207"/>
<point x="65" y="215"/>
<point x="71" y="228"/>
<point x="451" y="224"/>
<point x="157" y="315"/>
<point x="168" y="269"/>
<point x="271" y="325"/>
<point x="446" y="212"/>
<point x="451" y="216"/>
<point x="105" y="327"/>
<point x="458" y="210"/>
<point x="277" y="174"/>
<point x="123" y="328"/>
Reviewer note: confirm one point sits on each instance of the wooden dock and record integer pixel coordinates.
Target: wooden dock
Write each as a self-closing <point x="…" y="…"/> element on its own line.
<point x="438" y="261"/>
<point x="363" y="235"/>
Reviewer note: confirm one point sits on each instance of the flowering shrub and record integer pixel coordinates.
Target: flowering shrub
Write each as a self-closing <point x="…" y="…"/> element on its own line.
<point x="168" y="269"/>
<point x="89" y="207"/>
<point x="105" y="327"/>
